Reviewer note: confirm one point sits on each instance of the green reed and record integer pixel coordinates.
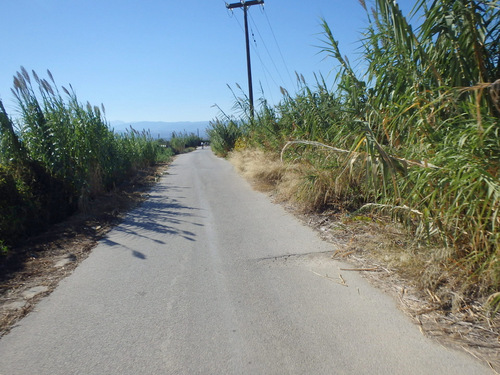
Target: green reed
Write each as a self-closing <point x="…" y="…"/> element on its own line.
<point x="58" y="154"/>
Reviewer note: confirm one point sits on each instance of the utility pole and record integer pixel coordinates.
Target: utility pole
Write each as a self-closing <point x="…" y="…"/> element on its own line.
<point x="245" y="4"/>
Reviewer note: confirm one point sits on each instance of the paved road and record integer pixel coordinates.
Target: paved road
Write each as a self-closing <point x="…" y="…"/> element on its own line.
<point x="209" y="277"/>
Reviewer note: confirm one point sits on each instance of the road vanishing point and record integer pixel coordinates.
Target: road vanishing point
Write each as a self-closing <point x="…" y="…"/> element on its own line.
<point x="209" y="277"/>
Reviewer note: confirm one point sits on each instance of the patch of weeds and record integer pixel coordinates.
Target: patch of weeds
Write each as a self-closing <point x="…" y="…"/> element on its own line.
<point x="3" y="249"/>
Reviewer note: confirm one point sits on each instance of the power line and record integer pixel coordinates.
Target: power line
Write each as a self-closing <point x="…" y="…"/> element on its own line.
<point x="277" y="45"/>
<point x="256" y="49"/>
<point x="245" y="5"/>
<point x="268" y="53"/>
<point x="264" y="67"/>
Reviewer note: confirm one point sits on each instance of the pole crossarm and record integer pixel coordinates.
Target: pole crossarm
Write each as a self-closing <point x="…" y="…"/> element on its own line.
<point x="244" y="4"/>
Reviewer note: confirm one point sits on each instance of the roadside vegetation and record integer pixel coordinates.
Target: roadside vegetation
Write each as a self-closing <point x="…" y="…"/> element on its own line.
<point x="59" y="154"/>
<point x="182" y="142"/>
<point x="412" y="134"/>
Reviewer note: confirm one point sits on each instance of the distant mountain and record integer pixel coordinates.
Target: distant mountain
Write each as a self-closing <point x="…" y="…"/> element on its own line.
<point x="161" y="129"/>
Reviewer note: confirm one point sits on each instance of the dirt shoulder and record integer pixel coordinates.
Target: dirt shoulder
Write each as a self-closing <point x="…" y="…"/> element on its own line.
<point x="360" y="241"/>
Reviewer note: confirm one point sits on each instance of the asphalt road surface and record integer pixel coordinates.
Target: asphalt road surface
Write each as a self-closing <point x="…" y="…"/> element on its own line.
<point x="209" y="277"/>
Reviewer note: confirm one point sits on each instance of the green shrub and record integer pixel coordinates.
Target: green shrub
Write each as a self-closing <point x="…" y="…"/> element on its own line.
<point x="223" y="136"/>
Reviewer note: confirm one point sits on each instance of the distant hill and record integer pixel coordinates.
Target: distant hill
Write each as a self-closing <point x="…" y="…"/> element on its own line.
<point x="161" y="129"/>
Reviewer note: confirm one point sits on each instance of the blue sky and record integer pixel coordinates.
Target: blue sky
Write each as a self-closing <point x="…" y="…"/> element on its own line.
<point x="165" y="60"/>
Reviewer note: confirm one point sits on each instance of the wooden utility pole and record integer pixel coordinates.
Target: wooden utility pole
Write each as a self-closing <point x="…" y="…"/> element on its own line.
<point x="245" y="4"/>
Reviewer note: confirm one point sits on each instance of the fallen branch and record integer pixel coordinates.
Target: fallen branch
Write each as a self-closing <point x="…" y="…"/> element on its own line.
<point x="405" y="208"/>
<point x="313" y="143"/>
<point x="343" y="283"/>
<point x="422" y="164"/>
<point x="361" y="269"/>
<point x="342" y="254"/>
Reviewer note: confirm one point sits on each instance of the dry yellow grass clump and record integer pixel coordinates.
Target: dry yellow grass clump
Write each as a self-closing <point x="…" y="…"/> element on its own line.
<point x="287" y="181"/>
<point x="262" y="168"/>
<point x="304" y="182"/>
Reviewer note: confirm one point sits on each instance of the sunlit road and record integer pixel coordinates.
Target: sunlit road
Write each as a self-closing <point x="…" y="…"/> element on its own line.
<point x="209" y="277"/>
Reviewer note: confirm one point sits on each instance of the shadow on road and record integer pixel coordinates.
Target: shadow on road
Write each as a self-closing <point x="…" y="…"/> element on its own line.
<point x="158" y="218"/>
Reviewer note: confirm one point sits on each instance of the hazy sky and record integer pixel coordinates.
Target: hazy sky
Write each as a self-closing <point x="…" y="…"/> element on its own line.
<point x="165" y="60"/>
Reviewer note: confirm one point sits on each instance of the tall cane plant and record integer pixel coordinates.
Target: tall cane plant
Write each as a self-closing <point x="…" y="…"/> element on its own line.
<point x="58" y="154"/>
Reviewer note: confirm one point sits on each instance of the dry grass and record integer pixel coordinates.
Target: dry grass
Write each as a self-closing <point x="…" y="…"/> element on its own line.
<point x="263" y="169"/>
<point x="267" y="173"/>
<point x="307" y="188"/>
<point x="290" y="185"/>
<point x="306" y="184"/>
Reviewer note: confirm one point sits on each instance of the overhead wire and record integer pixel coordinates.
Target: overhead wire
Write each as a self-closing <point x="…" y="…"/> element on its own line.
<point x="265" y="70"/>
<point x="255" y="48"/>
<point x="277" y="45"/>
<point x="267" y="50"/>
<point x="264" y="67"/>
<point x="257" y="52"/>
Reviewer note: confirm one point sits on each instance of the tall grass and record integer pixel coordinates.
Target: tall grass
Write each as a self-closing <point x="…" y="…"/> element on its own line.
<point x="182" y="142"/>
<point x="58" y="154"/>
<point x="416" y="134"/>
<point x="223" y="135"/>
